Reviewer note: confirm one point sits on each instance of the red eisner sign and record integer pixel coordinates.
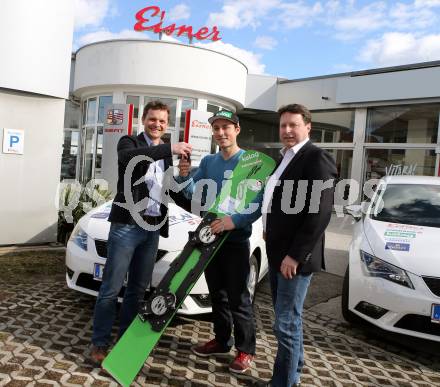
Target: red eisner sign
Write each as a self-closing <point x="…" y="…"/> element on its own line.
<point x="143" y="17"/>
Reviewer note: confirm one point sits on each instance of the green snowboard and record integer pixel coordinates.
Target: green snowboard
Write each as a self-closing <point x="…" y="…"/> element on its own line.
<point x="133" y="348"/>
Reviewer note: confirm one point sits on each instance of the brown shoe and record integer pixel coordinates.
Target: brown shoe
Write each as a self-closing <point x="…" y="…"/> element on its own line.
<point x="241" y="363"/>
<point x="212" y="347"/>
<point x="98" y="354"/>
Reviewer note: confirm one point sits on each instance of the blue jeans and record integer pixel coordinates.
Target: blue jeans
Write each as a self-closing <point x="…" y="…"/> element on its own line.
<point x="288" y="299"/>
<point x="130" y="249"/>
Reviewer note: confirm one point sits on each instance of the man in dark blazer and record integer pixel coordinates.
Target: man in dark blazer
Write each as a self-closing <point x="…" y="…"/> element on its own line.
<point x="296" y="211"/>
<point x="138" y="217"/>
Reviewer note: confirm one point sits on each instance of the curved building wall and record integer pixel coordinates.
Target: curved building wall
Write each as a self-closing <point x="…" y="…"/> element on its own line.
<point x="161" y="65"/>
<point x="138" y="71"/>
<point x="36" y="45"/>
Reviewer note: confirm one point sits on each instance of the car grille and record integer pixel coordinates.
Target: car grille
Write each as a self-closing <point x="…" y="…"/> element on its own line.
<point x="370" y="310"/>
<point x="101" y="249"/>
<point x="87" y="281"/>
<point x="433" y="284"/>
<point x="423" y="324"/>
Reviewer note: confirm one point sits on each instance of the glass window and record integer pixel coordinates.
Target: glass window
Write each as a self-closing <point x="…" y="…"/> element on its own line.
<point x="71" y="115"/>
<point x="88" y="154"/>
<point x="103" y="101"/>
<point x="212" y="108"/>
<point x="134" y="99"/>
<point x="329" y="127"/>
<point x="414" y="204"/>
<point x="91" y="111"/>
<point x="343" y="159"/>
<point x="381" y="162"/>
<point x="84" y="107"/>
<point x="403" y="124"/>
<point x="98" y="157"/>
<point x="172" y="104"/>
<point x="259" y="131"/>
<point x="332" y="126"/>
<point x="259" y="128"/>
<point x="74" y="142"/>
<point x="69" y="155"/>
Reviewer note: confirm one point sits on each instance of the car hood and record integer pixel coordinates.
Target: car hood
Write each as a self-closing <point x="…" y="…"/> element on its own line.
<point x="97" y="226"/>
<point x="409" y="247"/>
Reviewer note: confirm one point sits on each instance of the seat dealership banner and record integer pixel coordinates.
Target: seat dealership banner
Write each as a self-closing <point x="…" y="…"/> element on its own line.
<point x="117" y="123"/>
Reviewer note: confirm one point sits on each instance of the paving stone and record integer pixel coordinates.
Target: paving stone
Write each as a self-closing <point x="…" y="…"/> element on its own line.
<point x="45" y="332"/>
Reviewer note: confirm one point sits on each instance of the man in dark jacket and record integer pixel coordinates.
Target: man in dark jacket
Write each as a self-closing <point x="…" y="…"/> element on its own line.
<point x="297" y="207"/>
<point x="138" y="217"/>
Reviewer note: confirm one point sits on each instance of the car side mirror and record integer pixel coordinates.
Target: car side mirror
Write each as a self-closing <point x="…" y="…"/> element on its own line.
<point x="355" y="210"/>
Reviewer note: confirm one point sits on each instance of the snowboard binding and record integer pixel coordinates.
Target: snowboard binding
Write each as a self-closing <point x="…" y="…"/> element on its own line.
<point x="159" y="304"/>
<point x="203" y="237"/>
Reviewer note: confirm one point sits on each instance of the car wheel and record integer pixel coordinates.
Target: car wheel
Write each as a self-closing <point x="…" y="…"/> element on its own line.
<point x="253" y="276"/>
<point x="348" y="315"/>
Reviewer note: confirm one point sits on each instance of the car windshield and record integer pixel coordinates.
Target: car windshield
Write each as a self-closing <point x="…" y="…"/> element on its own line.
<point x="414" y="204"/>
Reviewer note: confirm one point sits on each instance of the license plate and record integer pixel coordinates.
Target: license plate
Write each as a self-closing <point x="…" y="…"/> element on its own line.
<point x="435" y="313"/>
<point x="98" y="270"/>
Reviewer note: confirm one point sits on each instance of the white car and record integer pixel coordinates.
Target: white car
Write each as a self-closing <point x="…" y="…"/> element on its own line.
<point x="87" y="251"/>
<point x="393" y="276"/>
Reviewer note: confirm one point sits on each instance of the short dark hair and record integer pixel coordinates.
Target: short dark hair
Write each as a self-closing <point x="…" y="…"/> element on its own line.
<point x="155" y="105"/>
<point x="296" y="108"/>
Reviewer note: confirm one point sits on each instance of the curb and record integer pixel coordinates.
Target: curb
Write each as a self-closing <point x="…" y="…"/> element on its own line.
<point x="5" y="250"/>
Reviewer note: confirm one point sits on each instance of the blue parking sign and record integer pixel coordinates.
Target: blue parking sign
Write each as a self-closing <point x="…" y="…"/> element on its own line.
<point x="13" y="141"/>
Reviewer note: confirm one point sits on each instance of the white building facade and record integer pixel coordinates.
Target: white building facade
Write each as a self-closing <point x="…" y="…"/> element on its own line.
<point x="377" y="122"/>
<point x="36" y="44"/>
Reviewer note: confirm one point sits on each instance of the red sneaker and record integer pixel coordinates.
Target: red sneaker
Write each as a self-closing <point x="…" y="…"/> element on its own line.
<point x="241" y="363"/>
<point x="98" y="354"/>
<point x="210" y="348"/>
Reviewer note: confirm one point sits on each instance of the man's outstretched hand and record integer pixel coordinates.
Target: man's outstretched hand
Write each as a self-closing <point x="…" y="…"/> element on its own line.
<point x="181" y="148"/>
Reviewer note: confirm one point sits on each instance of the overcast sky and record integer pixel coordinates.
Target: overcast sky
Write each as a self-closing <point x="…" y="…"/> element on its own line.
<point x="285" y="38"/>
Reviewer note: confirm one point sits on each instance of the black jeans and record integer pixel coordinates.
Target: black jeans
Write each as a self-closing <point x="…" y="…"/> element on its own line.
<point x="227" y="275"/>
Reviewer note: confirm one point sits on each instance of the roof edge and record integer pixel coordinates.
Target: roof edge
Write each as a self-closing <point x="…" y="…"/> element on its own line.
<point x="163" y="42"/>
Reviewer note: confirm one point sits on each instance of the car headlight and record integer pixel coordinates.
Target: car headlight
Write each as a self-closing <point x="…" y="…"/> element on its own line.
<point x="375" y="267"/>
<point x="79" y="237"/>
